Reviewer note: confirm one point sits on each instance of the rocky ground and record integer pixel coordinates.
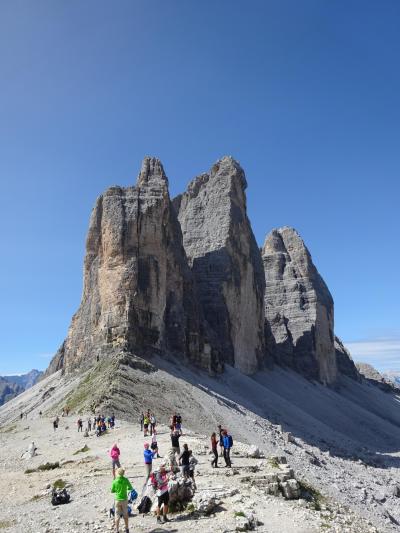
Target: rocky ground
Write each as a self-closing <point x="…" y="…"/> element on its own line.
<point x="25" y="497"/>
<point x="344" y="444"/>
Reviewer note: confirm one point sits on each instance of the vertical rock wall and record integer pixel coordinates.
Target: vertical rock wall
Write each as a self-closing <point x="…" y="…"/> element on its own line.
<point x="298" y="308"/>
<point x="138" y="288"/>
<point x="226" y="262"/>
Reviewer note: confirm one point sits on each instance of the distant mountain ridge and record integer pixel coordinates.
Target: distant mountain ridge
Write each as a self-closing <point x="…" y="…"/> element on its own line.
<point x="11" y="386"/>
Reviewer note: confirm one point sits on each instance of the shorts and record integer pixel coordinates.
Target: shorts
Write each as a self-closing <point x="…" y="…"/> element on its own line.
<point x="116" y="463"/>
<point x="121" y="507"/>
<point x="153" y="446"/>
<point x="178" y="426"/>
<point x="185" y="470"/>
<point x="146" y="426"/>
<point x="163" y="499"/>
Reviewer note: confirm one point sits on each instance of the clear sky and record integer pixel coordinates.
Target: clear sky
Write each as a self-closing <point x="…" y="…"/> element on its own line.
<point x="304" y="94"/>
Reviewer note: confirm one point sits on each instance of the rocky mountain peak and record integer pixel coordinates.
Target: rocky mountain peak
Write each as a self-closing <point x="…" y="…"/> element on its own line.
<point x="152" y="172"/>
<point x="225" y="262"/>
<point x="298" y="307"/>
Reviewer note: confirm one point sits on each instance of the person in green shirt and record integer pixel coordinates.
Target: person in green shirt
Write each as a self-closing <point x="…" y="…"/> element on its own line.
<point x="120" y="487"/>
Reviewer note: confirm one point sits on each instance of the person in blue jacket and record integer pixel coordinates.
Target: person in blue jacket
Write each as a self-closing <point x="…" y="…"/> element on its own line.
<point x="148" y="460"/>
<point x="228" y="442"/>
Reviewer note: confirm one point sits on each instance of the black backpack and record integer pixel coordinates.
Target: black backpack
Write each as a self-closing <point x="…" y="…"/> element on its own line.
<point x="60" y="497"/>
<point x="145" y="505"/>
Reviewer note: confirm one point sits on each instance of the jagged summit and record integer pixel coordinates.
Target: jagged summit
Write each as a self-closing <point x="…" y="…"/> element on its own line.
<point x="225" y="262"/>
<point x="151" y="171"/>
<point x="186" y="278"/>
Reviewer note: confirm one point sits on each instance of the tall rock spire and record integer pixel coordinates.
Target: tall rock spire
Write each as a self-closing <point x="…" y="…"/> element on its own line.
<point x="226" y="262"/>
<point x="138" y="290"/>
<point x="298" y="308"/>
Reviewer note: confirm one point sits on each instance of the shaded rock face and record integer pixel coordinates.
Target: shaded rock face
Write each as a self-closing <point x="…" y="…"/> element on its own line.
<point x="298" y="308"/>
<point x="226" y="262"/>
<point x="344" y="362"/>
<point x="138" y="289"/>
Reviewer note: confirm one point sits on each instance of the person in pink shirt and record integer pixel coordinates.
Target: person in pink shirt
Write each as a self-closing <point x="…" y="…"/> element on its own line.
<point x="114" y="454"/>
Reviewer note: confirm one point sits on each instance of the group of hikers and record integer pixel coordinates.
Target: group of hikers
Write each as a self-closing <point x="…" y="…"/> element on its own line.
<point x="99" y="423"/>
<point x="157" y="482"/>
<point x="147" y="423"/>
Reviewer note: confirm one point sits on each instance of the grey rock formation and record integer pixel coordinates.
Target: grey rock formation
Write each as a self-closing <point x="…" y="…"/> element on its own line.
<point x="25" y="380"/>
<point x="298" y="308"/>
<point x="226" y="262"/>
<point x="373" y="377"/>
<point x="9" y="390"/>
<point x="11" y="386"/>
<point x="344" y="362"/>
<point x="138" y="290"/>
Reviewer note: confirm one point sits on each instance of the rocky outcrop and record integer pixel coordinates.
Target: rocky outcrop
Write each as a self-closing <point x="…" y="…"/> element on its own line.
<point x="138" y="290"/>
<point x="298" y="308"/>
<point x="226" y="262"/>
<point x="344" y="362"/>
<point x="373" y="377"/>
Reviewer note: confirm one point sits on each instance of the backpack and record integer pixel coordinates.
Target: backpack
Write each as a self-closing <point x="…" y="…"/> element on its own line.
<point x="60" y="497"/>
<point x="230" y="440"/>
<point x="133" y="496"/>
<point x="145" y="505"/>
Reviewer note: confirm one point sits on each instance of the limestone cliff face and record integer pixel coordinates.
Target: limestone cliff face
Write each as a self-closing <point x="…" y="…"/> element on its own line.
<point x="138" y="289"/>
<point x="226" y="262"/>
<point x="298" y="308"/>
<point x="344" y="361"/>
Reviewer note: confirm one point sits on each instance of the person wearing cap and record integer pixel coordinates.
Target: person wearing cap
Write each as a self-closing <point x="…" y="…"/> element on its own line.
<point x="160" y="484"/>
<point x="148" y="460"/>
<point x="120" y="487"/>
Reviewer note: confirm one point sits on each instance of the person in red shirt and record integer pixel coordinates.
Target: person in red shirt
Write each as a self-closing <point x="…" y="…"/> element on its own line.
<point x="214" y="449"/>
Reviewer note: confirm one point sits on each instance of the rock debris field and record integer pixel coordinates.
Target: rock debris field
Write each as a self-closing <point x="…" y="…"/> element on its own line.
<point x="236" y="499"/>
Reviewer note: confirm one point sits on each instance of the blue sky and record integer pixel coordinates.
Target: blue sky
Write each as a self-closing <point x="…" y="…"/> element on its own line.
<point x="304" y="94"/>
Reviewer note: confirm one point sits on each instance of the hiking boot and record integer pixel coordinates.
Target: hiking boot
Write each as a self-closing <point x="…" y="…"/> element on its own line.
<point x="158" y="519"/>
<point x="166" y="519"/>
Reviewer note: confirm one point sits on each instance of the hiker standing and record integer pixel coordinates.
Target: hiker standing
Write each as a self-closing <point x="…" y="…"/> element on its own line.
<point x="214" y="449"/>
<point x="221" y="440"/>
<point x="152" y="424"/>
<point x="154" y="445"/>
<point x="55" y="424"/>
<point x="148" y="461"/>
<point x="173" y="421"/>
<point x="160" y="483"/>
<point x="175" y="436"/>
<point x="141" y="420"/>
<point x="228" y="442"/>
<point x="178" y="424"/>
<point x="89" y="424"/>
<point x="146" y="422"/>
<point x="114" y="454"/>
<point x="120" y="487"/>
<point x="192" y="465"/>
<point x="184" y="461"/>
<point x="80" y="424"/>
